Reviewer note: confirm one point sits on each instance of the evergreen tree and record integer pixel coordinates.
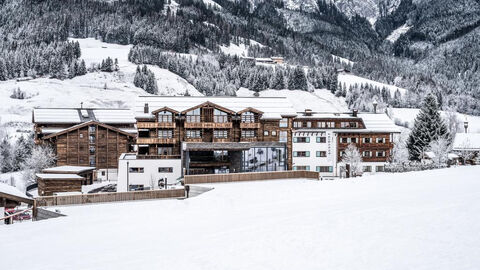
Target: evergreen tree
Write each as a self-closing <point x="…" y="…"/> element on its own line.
<point x="82" y="69"/>
<point x="23" y="149"/>
<point x="428" y="127"/>
<point x="7" y="159"/>
<point x="3" y="70"/>
<point x="297" y="79"/>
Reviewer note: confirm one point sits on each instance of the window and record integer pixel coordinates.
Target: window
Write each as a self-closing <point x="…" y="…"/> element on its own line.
<point x="380" y="168"/>
<point x="165" y="117"/>
<point x="165" y="169"/>
<point x="324" y="169"/>
<point x="265" y="133"/>
<point x="92" y="150"/>
<point x="274" y="133"/>
<point x="301" y="153"/>
<point x="344" y="140"/>
<point x="220" y="133"/>
<point x="193" y="133"/>
<point x="321" y="139"/>
<point x="367" y="168"/>
<point x="301" y="168"/>
<point x="81" y="136"/>
<point x="248" y="117"/>
<point x="309" y="124"/>
<point x="135" y="170"/>
<point x="380" y="153"/>
<point x="91" y="129"/>
<point x="353" y="140"/>
<point x="297" y="124"/>
<point x="165" y="151"/>
<point x="367" y="153"/>
<point x="321" y="154"/>
<point x="380" y="140"/>
<point x="348" y="125"/>
<point x="91" y="138"/>
<point x="330" y="124"/>
<point x="165" y="134"/>
<point x="219" y="116"/>
<point x="283" y="136"/>
<point x="283" y="123"/>
<point x="193" y="116"/>
<point x="367" y="140"/>
<point x="301" y="139"/>
<point x="321" y="124"/>
<point x="248" y="133"/>
<point x="342" y="153"/>
<point x="93" y="161"/>
<point x="103" y="173"/>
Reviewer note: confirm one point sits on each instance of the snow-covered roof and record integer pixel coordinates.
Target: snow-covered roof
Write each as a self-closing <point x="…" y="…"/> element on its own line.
<point x="272" y="107"/>
<point x="467" y="141"/>
<point x="379" y="122"/>
<point x="68" y="169"/>
<point x="47" y="131"/>
<point x="11" y="190"/>
<point x="81" y="115"/>
<point x="59" y="176"/>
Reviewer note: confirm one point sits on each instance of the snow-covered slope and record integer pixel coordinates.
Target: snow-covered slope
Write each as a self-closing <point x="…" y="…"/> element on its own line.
<point x="97" y="89"/>
<point x="418" y="220"/>
<point x="240" y="49"/>
<point x="398" y="32"/>
<point x="407" y="116"/>
<point x="321" y="100"/>
<point x="350" y="79"/>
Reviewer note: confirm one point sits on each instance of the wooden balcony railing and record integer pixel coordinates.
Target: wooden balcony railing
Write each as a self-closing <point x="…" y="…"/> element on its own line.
<point x="250" y="125"/>
<point x="248" y="139"/>
<point x="193" y="139"/>
<point x="211" y="125"/>
<point x="156" y="125"/>
<point x="156" y="141"/>
<point x="158" y="156"/>
<point x="221" y="140"/>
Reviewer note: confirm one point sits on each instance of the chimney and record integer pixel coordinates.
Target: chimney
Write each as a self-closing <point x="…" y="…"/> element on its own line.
<point x="308" y="112"/>
<point x="81" y="105"/>
<point x="355" y="113"/>
<point x="145" y="108"/>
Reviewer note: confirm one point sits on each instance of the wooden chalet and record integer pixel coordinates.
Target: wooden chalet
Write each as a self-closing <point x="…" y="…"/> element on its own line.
<point x="86" y="137"/>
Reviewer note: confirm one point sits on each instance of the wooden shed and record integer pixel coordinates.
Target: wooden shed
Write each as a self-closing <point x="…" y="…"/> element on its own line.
<point x="10" y="197"/>
<point x="50" y="183"/>
<point x="83" y="171"/>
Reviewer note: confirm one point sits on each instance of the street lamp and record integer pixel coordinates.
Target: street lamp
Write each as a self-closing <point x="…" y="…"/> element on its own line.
<point x="375" y="103"/>
<point x="128" y="171"/>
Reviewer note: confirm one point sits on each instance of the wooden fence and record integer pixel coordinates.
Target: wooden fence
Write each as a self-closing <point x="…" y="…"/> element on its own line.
<point x="110" y="197"/>
<point x="251" y="176"/>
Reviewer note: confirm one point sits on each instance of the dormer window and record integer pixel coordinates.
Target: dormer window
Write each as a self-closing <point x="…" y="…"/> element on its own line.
<point x="165" y="117"/>
<point x="193" y="116"/>
<point x="248" y="117"/>
<point x="219" y="116"/>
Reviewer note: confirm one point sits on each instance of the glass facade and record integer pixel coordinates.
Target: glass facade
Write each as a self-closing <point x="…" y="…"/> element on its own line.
<point x="264" y="159"/>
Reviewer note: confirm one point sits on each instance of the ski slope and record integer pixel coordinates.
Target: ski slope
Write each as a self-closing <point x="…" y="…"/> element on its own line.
<point x="418" y="220"/>
<point x="350" y="79"/>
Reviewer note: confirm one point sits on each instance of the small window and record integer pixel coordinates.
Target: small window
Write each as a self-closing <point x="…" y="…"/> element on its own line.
<point x="165" y="133"/>
<point x="321" y="154"/>
<point x="283" y="136"/>
<point x="301" y="139"/>
<point x="136" y="170"/>
<point x="324" y="169"/>
<point x="274" y="133"/>
<point x="165" y="169"/>
<point x="248" y="133"/>
<point x="353" y="140"/>
<point x="283" y="123"/>
<point x="220" y="134"/>
<point x="301" y="168"/>
<point x="380" y="153"/>
<point x="367" y="153"/>
<point x="297" y="124"/>
<point x="367" y="140"/>
<point x="301" y="153"/>
<point x="380" y="140"/>
<point x="344" y="140"/>
<point x="193" y="133"/>
<point x="103" y="173"/>
<point x="321" y="139"/>
<point x="380" y="168"/>
<point x="81" y="136"/>
<point x="92" y="149"/>
<point x="265" y="133"/>
<point x="309" y="124"/>
<point x="367" y="168"/>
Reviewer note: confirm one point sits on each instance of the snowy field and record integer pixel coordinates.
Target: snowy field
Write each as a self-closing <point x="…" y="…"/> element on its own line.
<point x="420" y="220"/>
<point x="350" y="79"/>
<point x="407" y="115"/>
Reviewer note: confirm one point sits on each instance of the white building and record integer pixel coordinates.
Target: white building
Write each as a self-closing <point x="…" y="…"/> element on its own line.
<point x="146" y="174"/>
<point x="320" y="138"/>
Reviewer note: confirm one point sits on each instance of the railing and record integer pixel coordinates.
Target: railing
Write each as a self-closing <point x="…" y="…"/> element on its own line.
<point x="210" y="125"/>
<point x="158" y="156"/>
<point x="251" y="176"/>
<point x="110" y="197"/>
<point x="156" y="125"/>
<point x="11" y="217"/>
<point x="250" y="125"/>
<point x="156" y="140"/>
<point x="248" y="139"/>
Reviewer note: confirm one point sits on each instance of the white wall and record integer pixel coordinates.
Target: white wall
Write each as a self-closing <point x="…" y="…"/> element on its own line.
<point x="313" y="161"/>
<point x="110" y="175"/>
<point x="150" y="175"/>
<point x="2" y="213"/>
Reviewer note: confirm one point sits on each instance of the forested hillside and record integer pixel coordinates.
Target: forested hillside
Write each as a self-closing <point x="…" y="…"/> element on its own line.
<point x="438" y="53"/>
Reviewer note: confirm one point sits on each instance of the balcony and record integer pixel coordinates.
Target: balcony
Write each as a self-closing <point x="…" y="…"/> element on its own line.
<point x="250" y="125"/>
<point x="193" y="139"/>
<point x="221" y="140"/>
<point x="156" y="125"/>
<point x="208" y="125"/>
<point x="156" y="141"/>
<point x="248" y="139"/>
<point x="158" y="156"/>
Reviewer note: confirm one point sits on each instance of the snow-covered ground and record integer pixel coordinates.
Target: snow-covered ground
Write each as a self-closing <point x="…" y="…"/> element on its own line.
<point x="321" y="100"/>
<point x="240" y="49"/>
<point x="398" y="32"/>
<point x="16" y="115"/>
<point x="350" y="79"/>
<point x="420" y="220"/>
<point x="406" y="115"/>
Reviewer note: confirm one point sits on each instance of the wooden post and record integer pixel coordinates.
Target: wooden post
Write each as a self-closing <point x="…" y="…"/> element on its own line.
<point x="34" y="211"/>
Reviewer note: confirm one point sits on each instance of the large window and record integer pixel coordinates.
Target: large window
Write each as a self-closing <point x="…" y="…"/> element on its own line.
<point x="136" y="170"/>
<point x="165" y="117"/>
<point x="321" y="139"/>
<point x="297" y="124"/>
<point x="248" y="117"/>
<point x="193" y="133"/>
<point x="165" y="169"/>
<point x="193" y="116"/>
<point x="165" y="151"/>
<point x="248" y="133"/>
<point x="220" y="134"/>
<point x="324" y="169"/>
<point x="321" y="153"/>
<point x="165" y="134"/>
<point x="301" y="153"/>
<point x="219" y="116"/>
<point x="283" y="123"/>
<point x="283" y="136"/>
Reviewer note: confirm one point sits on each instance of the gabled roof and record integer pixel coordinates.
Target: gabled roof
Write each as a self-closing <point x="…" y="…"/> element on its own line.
<point x="81" y="115"/>
<point x="271" y="107"/>
<point x="165" y="109"/>
<point x="211" y="104"/>
<point x="68" y="169"/>
<point x="87" y="124"/>
<point x="13" y="194"/>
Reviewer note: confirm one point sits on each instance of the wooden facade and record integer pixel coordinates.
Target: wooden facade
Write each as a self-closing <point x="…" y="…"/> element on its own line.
<point x="90" y="144"/>
<point x="47" y="187"/>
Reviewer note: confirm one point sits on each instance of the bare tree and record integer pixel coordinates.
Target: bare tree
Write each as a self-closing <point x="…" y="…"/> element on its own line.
<point x="353" y="158"/>
<point x="440" y="148"/>
<point x="42" y="157"/>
